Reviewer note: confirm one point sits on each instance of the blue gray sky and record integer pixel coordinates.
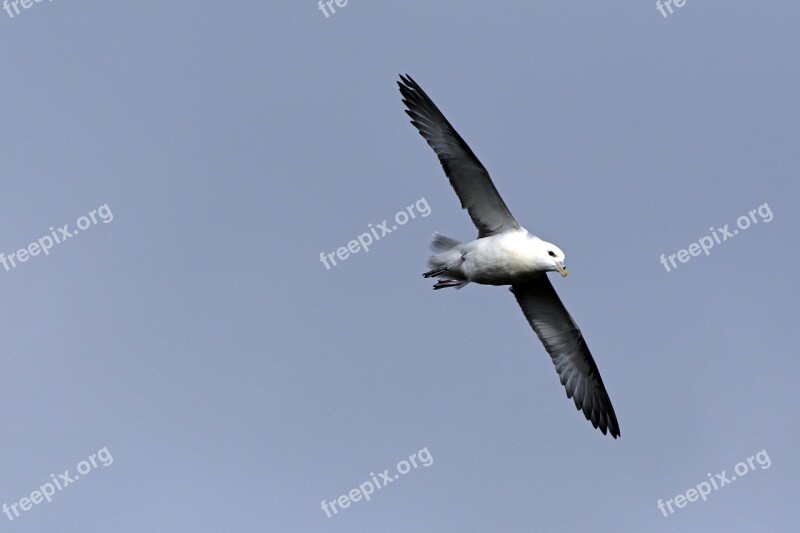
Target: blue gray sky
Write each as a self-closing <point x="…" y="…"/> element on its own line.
<point x="194" y="347"/>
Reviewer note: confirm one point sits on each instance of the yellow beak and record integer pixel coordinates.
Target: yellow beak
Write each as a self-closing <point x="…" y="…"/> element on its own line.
<point x="561" y="269"/>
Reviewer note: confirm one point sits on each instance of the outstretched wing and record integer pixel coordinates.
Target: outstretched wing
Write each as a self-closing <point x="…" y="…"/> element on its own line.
<point x="564" y="342"/>
<point x="467" y="175"/>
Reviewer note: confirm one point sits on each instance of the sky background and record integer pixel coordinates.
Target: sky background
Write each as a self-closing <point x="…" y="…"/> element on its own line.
<point x="237" y="382"/>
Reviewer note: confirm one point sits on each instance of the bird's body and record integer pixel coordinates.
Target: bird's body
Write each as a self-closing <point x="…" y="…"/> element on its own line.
<point x="503" y="259"/>
<point x="505" y="253"/>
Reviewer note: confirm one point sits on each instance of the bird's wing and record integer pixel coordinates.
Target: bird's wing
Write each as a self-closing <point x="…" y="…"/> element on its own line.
<point x="467" y="175"/>
<point x="564" y="342"/>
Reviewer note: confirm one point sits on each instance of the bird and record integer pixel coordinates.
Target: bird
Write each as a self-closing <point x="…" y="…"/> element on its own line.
<point x="505" y="253"/>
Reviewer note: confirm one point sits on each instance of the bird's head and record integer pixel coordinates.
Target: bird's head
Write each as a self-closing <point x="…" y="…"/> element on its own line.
<point x="552" y="258"/>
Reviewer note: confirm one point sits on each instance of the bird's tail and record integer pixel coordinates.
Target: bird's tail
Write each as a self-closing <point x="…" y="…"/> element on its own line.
<point x="445" y="264"/>
<point x="441" y="243"/>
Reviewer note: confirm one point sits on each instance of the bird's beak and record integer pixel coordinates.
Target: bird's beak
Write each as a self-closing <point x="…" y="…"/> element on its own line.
<point x="562" y="269"/>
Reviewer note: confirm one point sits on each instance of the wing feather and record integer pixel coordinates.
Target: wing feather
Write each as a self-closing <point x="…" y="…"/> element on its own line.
<point x="564" y="342"/>
<point x="467" y="175"/>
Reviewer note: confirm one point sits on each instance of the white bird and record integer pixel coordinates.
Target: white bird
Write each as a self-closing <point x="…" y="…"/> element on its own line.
<point x="506" y="254"/>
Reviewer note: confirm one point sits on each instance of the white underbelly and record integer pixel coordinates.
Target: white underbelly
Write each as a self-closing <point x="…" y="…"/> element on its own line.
<point x="498" y="260"/>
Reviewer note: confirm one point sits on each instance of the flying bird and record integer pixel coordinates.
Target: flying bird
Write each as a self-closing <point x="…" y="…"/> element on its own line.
<point x="505" y="253"/>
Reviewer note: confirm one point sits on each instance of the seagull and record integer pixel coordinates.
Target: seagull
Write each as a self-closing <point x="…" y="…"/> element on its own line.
<point x="505" y="253"/>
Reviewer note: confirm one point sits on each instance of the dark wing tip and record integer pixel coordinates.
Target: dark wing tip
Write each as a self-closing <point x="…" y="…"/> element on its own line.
<point x="598" y="410"/>
<point x="408" y="81"/>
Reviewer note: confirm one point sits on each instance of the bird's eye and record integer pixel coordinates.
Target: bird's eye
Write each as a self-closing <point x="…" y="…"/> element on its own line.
<point x="552" y="254"/>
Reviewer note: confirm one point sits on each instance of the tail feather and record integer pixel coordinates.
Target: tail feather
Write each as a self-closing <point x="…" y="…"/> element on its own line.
<point x="444" y="264"/>
<point x="441" y="243"/>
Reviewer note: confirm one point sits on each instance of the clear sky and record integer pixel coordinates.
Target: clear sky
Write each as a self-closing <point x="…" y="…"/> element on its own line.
<point x="191" y="347"/>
